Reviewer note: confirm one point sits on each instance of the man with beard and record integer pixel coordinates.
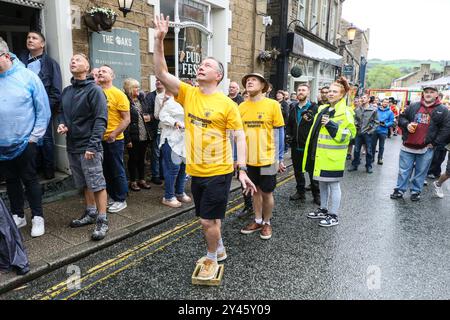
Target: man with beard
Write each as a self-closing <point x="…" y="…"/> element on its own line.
<point x="300" y="120"/>
<point x="423" y="124"/>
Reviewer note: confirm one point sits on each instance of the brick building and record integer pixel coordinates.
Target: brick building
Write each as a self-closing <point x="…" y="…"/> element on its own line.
<point x="419" y="75"/>
<point x="230" y="30"/>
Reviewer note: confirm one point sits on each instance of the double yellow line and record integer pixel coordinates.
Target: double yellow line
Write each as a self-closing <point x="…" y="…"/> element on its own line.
<point x="62" y="287"/>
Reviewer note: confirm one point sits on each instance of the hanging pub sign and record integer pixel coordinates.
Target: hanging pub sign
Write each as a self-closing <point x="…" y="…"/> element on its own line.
<point x="190" y="55"/>
<point x="189" y="62"/>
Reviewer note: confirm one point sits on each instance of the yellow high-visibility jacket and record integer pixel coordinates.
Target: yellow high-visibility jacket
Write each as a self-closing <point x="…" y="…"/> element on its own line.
<point x="331" y="152"/>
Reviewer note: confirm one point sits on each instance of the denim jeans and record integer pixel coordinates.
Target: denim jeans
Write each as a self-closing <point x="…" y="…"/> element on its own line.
<point x="156" y="161"/>
<point x="381" y="138"/>
<point x="174" y="172"/>
<point x="114" y="170"/>
<point x="330" y="196"/>
<point x="408" y="162"/>
<point x="359" y="141"/>
<point x="22" y="169"/>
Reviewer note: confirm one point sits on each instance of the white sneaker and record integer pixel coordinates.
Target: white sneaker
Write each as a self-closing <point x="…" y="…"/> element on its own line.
<point x="438" y="190"/>
<point x="117" y="206"/>
<point x="173" y="203"/>
<point x="20" y="222"/>
<point x="184" y="198"/>
<point x="38" y="228"/>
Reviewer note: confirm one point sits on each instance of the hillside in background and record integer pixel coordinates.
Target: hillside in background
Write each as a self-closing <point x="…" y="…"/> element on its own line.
<point x="406" y="66"/>
<point x="380" y="73"/>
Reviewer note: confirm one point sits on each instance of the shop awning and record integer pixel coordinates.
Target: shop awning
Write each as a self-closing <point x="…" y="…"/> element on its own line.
<point x="301" y="46"/>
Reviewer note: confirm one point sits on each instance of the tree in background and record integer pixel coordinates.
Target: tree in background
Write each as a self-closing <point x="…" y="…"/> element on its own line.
<point x="381" y="77"/>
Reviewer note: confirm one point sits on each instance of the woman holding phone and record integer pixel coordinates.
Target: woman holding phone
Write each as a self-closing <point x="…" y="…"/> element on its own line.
<point x="326" y="151"/>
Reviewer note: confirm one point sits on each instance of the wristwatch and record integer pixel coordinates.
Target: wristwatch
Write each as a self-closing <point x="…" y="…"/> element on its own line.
<point x="242" y="168"/>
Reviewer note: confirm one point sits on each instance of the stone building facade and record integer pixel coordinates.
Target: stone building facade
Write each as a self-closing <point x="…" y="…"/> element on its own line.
<point x="306" y="31"/>
<point x="230" y="30"/>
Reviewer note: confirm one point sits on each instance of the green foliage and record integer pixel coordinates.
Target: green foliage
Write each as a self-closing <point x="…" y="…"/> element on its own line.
<point x="381" y="76"/>
<point x="407" y="65"/>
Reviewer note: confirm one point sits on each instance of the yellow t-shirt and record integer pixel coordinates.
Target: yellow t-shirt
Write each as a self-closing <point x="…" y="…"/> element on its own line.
<point x="209" y="120"/>
<point x="117" y="102"/>
<point x="259" y="119"/>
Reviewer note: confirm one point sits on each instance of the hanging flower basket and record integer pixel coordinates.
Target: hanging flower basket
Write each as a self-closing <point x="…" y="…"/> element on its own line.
<point x="100" y="19"/>
<point x="268" y="55"/>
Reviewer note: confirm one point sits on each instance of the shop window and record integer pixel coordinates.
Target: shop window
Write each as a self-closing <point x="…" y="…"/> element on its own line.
<point x="188" y="37"/>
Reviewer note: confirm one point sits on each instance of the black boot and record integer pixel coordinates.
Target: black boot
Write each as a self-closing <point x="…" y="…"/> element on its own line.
<point x="298" y="196"/>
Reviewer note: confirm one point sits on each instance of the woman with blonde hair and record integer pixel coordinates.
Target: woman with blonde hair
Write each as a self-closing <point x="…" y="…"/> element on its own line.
<point x="137" y="136"/>
<point x="326" y="150"/>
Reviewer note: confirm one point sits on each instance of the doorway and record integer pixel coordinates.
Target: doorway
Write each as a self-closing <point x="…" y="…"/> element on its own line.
<point x="15" y="23"/>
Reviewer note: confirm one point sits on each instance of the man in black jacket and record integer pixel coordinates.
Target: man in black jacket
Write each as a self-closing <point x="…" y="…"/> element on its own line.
<point x="49" y="72"/>
<point x="299" y="123"/>
<point x="84" y="119"/>
<point x="423" y="125"/>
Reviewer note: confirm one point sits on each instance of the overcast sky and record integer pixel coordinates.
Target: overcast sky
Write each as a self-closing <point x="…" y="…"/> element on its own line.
<point x="403" y="29"/>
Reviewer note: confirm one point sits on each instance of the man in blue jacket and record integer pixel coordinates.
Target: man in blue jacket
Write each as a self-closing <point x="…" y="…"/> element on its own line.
<point x="24" y="117"/>
<point x="386" y="121"/>
<point x="48" y="70"/>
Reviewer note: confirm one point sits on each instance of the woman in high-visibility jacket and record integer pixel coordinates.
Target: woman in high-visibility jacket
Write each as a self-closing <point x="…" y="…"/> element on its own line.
<point x="326" y="151"/>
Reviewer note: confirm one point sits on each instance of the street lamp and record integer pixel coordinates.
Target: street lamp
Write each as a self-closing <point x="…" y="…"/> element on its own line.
<point x="351" y="33"/>
<point x="125" y="6"/>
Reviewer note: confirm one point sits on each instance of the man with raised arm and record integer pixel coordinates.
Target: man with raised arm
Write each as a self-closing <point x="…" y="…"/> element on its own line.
<point x="209" y="118"/>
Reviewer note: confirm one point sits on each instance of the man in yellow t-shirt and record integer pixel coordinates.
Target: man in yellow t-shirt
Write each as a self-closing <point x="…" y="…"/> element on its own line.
<point x="264" y="130"/>
<point x="210" y="119"/>
<point x="113" y="141"/>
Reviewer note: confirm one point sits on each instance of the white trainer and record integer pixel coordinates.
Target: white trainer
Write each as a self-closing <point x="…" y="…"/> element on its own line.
<point x="20" y="222"/>
<point x="117" y="206"/>
<point x="438" y="190"/>
<point x="38" y="228"/>
<point x="184" y="198"/>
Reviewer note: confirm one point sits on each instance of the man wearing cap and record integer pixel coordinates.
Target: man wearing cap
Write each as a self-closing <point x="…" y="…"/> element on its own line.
<point x="210" y="119"/>
<point x="422" y="124"/>
<point x="264" y="130"/>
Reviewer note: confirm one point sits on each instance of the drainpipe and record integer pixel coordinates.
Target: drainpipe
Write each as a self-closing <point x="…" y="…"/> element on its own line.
<point x="282" y="61"/>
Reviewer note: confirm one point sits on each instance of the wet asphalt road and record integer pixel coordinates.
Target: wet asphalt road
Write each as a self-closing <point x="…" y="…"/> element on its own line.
<point x="382" y="249"/>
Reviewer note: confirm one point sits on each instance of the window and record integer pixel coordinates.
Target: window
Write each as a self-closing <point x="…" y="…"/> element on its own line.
<point x="314" y="17"/>
<point x="168" y="8"/>
<point x="301" y="14"/>
<point x="324" y="19"/>
<point x="333" y="22"/>
<point x="193" y="11"/>
<point x="188" y="42"/>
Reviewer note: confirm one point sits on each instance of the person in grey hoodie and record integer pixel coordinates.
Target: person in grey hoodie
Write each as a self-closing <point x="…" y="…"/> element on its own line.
<point x="84" y="118"/>
<point x="366" y="124"/>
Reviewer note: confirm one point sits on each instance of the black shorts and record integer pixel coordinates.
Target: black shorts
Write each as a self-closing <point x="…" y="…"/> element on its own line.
<point x="263" y="177"/>
<point x="211" y="196"/>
